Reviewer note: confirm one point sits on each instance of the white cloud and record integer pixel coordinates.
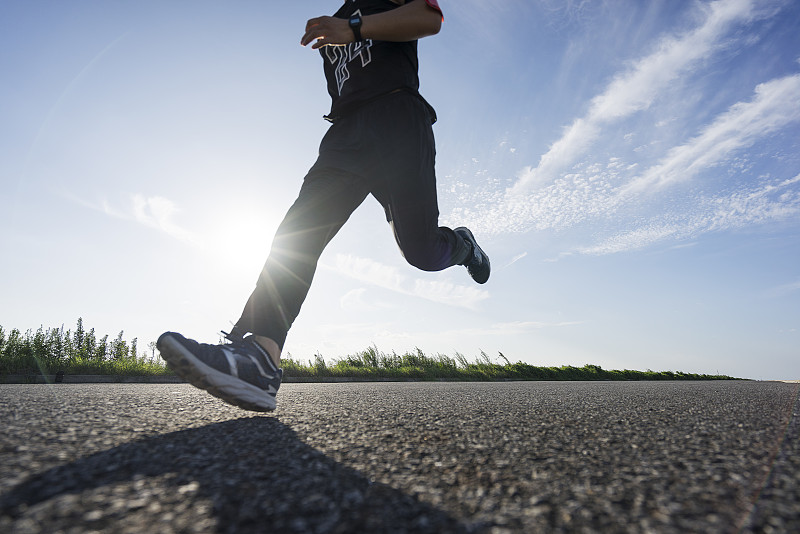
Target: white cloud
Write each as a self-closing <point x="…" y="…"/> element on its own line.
<point x="154" y="212"/>
<point x="776" y="104"/>
<point x="587" y="191"/>
<point x="354" y="300"/>
<point x="370" y="271"/>
<point x="516" y="258"/>
<point x="632" y="240"/>
<point x="605" y="196"/>
<point x="748" y="205"/>
<point x="636" y="89"/>
<point x="159" y="212"/>
<point x="771" y="201"/>
<point x="388" y="277"/>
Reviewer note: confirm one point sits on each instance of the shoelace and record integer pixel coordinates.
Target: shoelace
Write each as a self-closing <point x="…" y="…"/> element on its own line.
<point x="232" y="336"/>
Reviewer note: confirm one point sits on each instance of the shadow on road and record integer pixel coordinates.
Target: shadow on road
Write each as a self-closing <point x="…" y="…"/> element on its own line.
<point x="247" y="475"/>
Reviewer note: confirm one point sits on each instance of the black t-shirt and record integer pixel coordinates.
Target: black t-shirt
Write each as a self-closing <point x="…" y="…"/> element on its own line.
<point x="360" y="72"/>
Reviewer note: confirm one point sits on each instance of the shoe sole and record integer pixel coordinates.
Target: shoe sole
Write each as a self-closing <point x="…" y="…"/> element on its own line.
<point x="229" y="388"/>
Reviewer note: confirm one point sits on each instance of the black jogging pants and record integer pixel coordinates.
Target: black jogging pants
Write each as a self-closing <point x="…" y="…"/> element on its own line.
<point x="385" y="148"/>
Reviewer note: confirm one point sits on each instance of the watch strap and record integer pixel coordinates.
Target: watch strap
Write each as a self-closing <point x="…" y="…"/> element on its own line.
<point x="355" y="25"/>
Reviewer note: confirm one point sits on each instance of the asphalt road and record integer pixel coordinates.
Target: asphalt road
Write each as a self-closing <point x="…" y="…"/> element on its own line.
<point x="403" y="457"/>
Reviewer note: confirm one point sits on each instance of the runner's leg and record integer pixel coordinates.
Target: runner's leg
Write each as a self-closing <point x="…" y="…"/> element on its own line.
<point x="326" y="200"/>
<point x="407" y="186"/>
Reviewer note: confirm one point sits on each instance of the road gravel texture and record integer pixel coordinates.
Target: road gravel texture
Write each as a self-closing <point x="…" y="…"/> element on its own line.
<point x="403" y="457"/>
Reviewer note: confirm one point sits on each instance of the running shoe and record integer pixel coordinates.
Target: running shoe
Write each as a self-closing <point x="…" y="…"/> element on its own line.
<point x="477" y="263"/>
<point x="240" y="372"/>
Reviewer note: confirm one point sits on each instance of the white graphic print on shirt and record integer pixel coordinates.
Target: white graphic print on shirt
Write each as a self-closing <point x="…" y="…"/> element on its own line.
<point x="342" y="55"/>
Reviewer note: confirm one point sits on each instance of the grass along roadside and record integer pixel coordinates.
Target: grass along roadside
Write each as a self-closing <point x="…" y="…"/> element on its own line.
<point x="52" y="351"/>
<point x="374" y="364"/>
<point x="369" y="364"/>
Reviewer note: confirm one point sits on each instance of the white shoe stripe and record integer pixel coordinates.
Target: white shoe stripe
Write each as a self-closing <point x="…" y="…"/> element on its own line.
<point x="272" y="367"/>
<point x="259" y="366"/>
<point x="231" y="362"/>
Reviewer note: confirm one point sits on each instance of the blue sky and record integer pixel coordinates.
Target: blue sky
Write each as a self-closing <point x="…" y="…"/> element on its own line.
<point x="632" y="168"/>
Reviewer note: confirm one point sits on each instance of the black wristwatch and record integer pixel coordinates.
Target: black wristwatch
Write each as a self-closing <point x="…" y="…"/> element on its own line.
<point x="355" y="25"/>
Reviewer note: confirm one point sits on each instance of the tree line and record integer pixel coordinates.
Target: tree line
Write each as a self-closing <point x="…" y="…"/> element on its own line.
<point x="44" y="350"/>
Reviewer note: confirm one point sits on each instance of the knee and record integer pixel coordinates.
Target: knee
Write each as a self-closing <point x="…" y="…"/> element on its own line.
<point x="425" y="258"/>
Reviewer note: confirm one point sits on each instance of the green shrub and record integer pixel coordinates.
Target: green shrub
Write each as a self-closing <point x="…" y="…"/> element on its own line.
<point x="81" y="352"/>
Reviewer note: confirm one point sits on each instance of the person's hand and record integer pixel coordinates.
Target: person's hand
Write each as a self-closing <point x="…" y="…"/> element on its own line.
<point x="327" y="31"/>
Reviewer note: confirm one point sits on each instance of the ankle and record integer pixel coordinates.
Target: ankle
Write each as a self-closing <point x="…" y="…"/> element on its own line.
<point x="271" y="347"/>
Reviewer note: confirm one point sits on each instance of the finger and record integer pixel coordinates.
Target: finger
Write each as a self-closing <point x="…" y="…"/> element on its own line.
<point x="312" y="22"/>
<point x="316" y="28"/>
<point x="312" y="33"/>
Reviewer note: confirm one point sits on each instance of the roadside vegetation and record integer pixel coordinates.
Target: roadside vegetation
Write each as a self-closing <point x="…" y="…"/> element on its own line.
<point x="82" y="352"/>
<point x="78" y="352"/>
